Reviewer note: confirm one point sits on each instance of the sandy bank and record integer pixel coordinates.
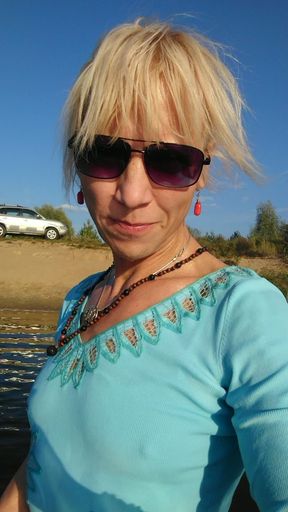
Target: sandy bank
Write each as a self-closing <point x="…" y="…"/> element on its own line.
<point x="38" y="274"/>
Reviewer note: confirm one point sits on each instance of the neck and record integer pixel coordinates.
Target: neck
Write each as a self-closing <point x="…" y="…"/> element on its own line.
<point x="126" y="272"/>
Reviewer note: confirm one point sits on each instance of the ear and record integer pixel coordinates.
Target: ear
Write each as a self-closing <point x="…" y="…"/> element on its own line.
<point x="205" y="174"/>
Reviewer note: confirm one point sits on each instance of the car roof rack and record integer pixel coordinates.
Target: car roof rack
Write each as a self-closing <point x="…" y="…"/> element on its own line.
<point x="15" y="206"/>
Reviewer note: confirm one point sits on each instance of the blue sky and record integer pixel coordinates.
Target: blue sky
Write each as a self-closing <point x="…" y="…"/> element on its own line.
<point x="43" y="44"/>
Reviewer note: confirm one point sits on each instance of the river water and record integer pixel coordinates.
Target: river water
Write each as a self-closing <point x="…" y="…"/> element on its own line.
<point x="24" y="336"/>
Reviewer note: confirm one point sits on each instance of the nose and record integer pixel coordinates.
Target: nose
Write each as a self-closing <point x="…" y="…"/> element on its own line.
<point x="134" y="188"/>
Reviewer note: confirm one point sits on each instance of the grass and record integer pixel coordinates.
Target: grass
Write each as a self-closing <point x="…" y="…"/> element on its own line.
<point x="83" y="243"/>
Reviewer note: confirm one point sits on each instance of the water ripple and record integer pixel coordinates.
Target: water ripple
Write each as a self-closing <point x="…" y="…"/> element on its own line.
<point x="24" y="338"/>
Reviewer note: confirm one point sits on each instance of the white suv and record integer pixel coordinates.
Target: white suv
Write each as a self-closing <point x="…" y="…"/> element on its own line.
<point x="19" y="220"/>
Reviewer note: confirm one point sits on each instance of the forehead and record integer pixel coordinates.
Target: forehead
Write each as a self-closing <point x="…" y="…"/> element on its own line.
<point x="162" y="131"/>
<point x="161" y="125"/>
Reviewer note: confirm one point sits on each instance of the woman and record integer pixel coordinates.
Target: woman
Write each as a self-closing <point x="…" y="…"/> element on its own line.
<point x="169" y="372"/>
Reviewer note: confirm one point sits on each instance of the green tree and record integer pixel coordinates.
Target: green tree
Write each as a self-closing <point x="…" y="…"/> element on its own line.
<point x="235" y="235"/>
<point x="284" y="238"/>
<point x="267" y="227"/>
<point x="220" y="247"/>
<point x="49" y="212"/>
<point x="88" y="232"/>
<point x="243" y="246"/>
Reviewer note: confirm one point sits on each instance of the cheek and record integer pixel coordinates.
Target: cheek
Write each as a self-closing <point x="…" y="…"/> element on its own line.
<point x="178" y="203"/>
<point x="96" y="193"/>
<point x="182" y="201"/>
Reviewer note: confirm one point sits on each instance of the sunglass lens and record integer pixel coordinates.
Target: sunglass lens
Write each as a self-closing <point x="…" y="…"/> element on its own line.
<point x="173" y="165"/>
<point x="105" y="159"/>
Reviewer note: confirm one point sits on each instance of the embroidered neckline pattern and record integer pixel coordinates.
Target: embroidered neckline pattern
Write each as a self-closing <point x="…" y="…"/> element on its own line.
<point x="76" y="358"/>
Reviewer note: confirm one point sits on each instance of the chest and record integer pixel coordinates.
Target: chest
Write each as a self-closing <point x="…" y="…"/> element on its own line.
<point x="143" y="405"/>
<point x="139" y="299"/>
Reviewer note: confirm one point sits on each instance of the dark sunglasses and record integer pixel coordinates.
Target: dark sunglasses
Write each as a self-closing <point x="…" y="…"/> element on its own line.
<point x="166" y="163"/>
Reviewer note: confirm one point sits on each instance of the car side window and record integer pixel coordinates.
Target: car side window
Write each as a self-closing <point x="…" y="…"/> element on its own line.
<point x="29" y="214"/>
<point x="13" y="212"/>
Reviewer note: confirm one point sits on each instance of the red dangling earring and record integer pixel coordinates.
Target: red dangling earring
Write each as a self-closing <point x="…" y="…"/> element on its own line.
<point x="80" y="197"/>
<point x="198" y="205"/>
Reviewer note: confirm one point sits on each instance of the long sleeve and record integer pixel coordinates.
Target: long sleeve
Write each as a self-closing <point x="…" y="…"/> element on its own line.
<point x="254" y="358"/>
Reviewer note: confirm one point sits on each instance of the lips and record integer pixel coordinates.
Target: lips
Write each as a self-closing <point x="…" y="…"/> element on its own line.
<point x="133" y="224"/>
<point x="129" y="227"/>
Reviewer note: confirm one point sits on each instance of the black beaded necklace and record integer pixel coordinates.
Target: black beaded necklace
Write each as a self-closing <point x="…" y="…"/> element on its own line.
<point x="65" y="337"/>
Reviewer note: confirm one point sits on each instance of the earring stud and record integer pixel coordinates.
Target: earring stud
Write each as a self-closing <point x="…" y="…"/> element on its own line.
<point x="80" y="197"/>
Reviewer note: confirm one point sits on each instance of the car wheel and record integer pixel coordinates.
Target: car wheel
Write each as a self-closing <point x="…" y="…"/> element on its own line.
<point x="2" y="231"/>
<point x="51" y="234"/>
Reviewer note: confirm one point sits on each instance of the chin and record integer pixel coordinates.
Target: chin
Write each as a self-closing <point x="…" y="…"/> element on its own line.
<point x="131" y="254"/>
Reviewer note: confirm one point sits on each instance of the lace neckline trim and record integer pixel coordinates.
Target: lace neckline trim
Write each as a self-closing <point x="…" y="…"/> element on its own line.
<point x="74" y="359"/>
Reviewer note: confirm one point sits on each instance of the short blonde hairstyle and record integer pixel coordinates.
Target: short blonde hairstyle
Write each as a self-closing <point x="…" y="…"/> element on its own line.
<point x="139" y="65"/>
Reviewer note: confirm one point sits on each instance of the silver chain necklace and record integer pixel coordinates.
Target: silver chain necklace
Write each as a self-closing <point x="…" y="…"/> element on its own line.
<point x="90" y="314"/>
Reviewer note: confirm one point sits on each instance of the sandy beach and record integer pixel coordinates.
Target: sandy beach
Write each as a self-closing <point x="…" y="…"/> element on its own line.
<point x="36" y="274"/>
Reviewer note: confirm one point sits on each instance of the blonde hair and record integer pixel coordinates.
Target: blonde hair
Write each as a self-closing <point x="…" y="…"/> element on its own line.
<point x="137" y="67"/>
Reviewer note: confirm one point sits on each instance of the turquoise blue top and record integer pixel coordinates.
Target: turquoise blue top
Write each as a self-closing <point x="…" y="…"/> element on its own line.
<point x="161" y="412"/>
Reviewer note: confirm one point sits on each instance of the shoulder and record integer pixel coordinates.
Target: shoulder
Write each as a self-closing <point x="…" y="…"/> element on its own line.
<point x="232" y="280"/>
<point x="252" y="343"/>
<point x="255" y="318"/>
<point x="249" y="307"/>
<point x="237" y="291"/>
<point x="249" y="290"/>
<point x="251" y="301"/>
